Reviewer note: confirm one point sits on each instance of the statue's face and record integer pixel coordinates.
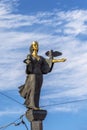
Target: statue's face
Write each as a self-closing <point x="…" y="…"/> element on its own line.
<point x="35" y="46"/>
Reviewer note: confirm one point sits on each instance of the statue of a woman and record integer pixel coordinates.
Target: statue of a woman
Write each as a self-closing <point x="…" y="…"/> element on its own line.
<point x="36" y="66"/>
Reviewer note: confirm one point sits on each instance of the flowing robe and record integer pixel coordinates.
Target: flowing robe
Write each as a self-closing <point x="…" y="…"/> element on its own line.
<point x="32" y="87"/>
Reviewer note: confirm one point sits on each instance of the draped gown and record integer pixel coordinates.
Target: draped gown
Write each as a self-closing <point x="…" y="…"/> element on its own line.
<point x="30" y="91"/>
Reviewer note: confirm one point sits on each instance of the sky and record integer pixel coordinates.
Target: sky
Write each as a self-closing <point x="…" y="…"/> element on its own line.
<point x="60" y="25"/>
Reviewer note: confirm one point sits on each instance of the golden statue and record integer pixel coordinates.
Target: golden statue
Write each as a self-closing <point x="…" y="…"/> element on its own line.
<point x="36" y="66"/>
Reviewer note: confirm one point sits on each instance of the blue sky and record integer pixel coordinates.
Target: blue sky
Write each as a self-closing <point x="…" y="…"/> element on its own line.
<point x="55" y="24"/>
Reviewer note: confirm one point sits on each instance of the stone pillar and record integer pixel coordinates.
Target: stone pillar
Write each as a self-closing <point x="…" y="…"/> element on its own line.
<point x="36" y="117"/>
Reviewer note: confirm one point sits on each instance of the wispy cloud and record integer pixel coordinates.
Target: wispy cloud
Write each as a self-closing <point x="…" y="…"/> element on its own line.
<point x="59" y="30"/>
<point x="7" y="6"/>
<point x="11" y="112"/>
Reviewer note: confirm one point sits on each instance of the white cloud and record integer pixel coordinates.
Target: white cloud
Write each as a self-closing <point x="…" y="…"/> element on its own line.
<point x="6" y="6"/>
<point x="55" y="30"/>
<point x="67" y="108"/>
<point x="11" y="112"/>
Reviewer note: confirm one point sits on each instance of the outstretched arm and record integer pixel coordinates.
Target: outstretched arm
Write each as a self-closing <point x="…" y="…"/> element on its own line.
<point x="58" y="60"/>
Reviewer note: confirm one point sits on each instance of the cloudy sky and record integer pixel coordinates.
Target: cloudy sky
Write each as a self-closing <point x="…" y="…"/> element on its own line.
<point x="56" y="24"/>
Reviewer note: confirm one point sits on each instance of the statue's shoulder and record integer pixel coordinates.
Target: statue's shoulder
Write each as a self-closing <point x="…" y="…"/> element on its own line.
<point x="41" y="57"/>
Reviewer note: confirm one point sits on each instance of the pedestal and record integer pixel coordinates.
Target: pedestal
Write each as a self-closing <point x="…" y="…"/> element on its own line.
<point x="36" y="117"/>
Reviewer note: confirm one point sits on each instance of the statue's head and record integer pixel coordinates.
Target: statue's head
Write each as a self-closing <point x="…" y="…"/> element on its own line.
<point x="34" y="46"/>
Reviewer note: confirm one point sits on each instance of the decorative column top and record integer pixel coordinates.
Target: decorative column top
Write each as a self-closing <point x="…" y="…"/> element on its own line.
<point x="36" y="115"/>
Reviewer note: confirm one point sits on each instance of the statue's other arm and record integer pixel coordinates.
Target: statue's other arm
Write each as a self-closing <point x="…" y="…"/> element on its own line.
<point x="27" y="60"/>
<point x="58" y="60"/>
